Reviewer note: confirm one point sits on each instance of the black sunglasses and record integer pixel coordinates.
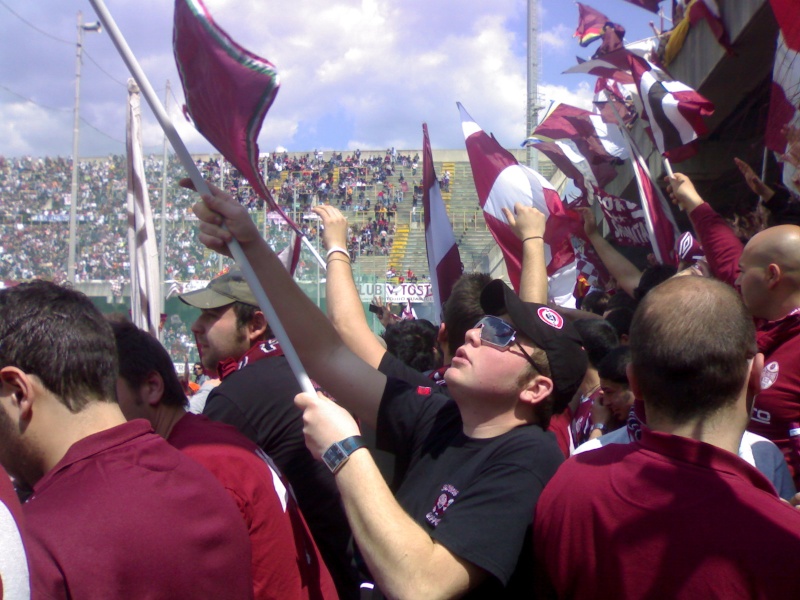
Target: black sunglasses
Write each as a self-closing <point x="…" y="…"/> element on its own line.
<point x="498" y="334"/>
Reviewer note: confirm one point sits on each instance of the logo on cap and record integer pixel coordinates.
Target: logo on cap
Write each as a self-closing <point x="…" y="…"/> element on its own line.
<point x="550" y="317"/>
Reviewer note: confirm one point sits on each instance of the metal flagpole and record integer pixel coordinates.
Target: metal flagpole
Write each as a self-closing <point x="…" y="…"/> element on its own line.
<point x="202" y="188"/>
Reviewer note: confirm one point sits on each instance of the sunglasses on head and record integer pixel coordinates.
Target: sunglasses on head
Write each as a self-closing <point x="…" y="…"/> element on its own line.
<point x="498" y="334"/>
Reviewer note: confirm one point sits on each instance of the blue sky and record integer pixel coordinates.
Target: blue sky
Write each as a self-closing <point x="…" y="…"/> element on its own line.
<point x="354" y="73"/>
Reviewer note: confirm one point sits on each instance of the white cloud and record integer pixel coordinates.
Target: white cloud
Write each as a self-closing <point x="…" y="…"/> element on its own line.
<point x="557" y="39"/>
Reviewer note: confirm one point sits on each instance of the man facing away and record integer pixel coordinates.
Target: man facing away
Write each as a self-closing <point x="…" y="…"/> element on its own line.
<point x="108" y="516"/>
<point x="285" y="561"/>
<point x="476" y="462"/>
<point x="676" y="514"/>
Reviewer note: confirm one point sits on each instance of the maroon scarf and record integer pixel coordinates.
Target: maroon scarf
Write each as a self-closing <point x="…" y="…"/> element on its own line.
<point x="258" y="351"/>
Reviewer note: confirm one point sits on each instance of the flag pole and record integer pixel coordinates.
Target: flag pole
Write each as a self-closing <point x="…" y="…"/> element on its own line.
<point x="202" y="188"/>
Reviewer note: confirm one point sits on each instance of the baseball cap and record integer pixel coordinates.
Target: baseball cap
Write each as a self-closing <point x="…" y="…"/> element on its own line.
<point x="547" y="330"/>
<point x="225" y="289"/>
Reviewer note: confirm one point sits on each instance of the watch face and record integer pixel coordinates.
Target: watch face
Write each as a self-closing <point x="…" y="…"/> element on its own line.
<point x="334" y="456"/>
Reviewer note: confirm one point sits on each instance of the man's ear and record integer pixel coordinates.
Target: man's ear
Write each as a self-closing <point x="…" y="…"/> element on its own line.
<point x="257" y="326"/>
<point x="152" y="389"/>
<point x="441" y="337"/>
<point x="773" y="274"/>
<point x="538" y="388"/>
<point x="19" y="385"/>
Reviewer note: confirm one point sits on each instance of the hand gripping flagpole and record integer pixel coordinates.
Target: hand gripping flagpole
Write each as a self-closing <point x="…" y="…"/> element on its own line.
<point x="200" y="185"/>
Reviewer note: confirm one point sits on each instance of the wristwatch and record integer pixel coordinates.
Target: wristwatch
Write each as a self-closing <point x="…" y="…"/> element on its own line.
<point x="339" y="452"/>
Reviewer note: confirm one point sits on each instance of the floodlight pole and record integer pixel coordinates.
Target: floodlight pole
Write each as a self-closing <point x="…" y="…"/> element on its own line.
<point x="75" y="142"/>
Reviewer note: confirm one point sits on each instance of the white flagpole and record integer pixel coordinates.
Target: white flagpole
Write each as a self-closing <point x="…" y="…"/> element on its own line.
<point x="200" y="185"/>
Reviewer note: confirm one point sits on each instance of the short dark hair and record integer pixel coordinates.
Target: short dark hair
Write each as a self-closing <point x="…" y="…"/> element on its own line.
<point x="463" y="307"/>
<point x="595" y="302"/>
<point x="141" y="354"/>
<point x="614" y="364"/>
<point x="621" y="300"/>
<point x="245" y="313"/>
<point x="598" y="337"/>
<point x="651" y="277"/>
<point x="58" y="335"/>
<point x="691" y="339"/>
<point x="620" y="319"/>
<point x="413" y="341"/>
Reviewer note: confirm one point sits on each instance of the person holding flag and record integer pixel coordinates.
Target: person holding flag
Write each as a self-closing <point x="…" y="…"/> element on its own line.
<point x="472" y="466"/>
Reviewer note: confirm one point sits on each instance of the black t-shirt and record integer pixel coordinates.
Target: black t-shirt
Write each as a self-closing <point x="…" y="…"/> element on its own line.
<point x="474" y="496"/>
<point x="259" y="401"/>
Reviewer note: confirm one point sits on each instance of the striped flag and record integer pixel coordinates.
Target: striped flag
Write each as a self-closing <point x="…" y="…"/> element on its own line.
<point x="613" y="65"/>
<point x="502" y="182"/>
<point x="444" y="261"/>
<point x="785" y="93"/>
<point x="675" y="111"/>
<point x="567" y="122"/>
<point x="145" y="292"/>
<point x="228" y="92"/>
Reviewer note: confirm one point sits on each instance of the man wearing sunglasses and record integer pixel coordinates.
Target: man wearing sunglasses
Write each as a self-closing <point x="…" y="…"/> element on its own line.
<point x="472" y="466"/>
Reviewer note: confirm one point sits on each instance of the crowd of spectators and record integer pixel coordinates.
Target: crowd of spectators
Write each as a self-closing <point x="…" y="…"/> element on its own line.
<point x="35" y="196"/>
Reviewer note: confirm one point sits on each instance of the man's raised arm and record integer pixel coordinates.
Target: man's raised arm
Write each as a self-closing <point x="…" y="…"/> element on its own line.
<point x="354" y="383"/>
<point x="620" y="268"/>
<point x="344" y="304"/>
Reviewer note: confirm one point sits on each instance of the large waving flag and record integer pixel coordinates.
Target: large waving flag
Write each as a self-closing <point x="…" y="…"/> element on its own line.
<point x="590" y="25"/>
<point x="567" y="122"/>
<point x="228" y="91"/>
<point x="675" y="111"/>
<point x="502" y="182"/>
<point x="145" y="289"/>
<point x="444" y="261"/>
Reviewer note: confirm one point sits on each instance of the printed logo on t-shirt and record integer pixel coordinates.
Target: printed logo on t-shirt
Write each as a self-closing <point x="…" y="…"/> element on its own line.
<point x="760" y="416"/>
<point x="551" y="317"/>
<point x="447" y="496"/>
<point x="769" y="375"/>
<point x="423" y="391"/>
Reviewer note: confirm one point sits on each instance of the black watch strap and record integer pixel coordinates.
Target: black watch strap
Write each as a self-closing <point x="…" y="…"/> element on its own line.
<point x="339" y="452"/>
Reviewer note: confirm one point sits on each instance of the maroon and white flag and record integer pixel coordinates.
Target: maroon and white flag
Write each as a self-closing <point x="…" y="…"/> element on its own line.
<point x="625" y="219"/>
<point x="444" y="261"/>
<point x="675" y="111"/>
<point x="784" y="103"/>
<point x="565" y="122"/>
<point x="502" y="182"/>
<point x="145" y="289"/>
<point x="613" y="65"/>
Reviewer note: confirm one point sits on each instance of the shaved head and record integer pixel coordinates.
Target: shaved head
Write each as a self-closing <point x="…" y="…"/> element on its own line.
<point x="779" y="245"/>
<point x="769" y="276"/>
<point x="691" y="340"/>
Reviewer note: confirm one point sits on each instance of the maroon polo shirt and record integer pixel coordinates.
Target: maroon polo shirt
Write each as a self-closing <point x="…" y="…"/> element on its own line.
<point x="126" y="515"/>
<point x="666" y="517"/>
<point x="285" y="560"/>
